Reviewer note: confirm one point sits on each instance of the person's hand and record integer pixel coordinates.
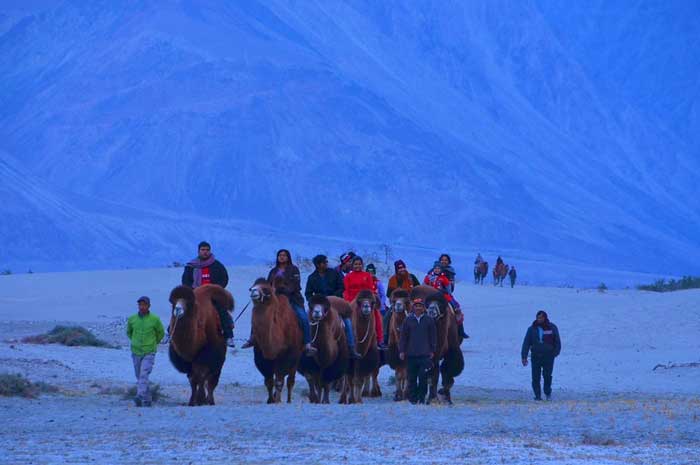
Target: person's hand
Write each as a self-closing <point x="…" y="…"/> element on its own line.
<point x="402" y="356"/>
<point x="524" y="362"/>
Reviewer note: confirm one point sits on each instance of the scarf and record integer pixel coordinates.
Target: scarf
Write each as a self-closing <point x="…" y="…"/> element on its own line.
<point x="198" y="264"/>
<point x="545" y="333"/>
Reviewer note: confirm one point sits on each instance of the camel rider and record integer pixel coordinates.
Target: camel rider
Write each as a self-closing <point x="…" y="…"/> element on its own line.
<point x="446" y="263"/>
<point x="205" y="269"/>
<point x="499" y="261"/>
<point x="479" y="260"/>
<point x="291" y="277"/>
<point x="402" y="279"/>
<point x="381" y="293"/>
<point x="345" y="265"/>
<point x="356" y="281"/>
<point x="327" y="282"/>
<point x="438" y="279"/>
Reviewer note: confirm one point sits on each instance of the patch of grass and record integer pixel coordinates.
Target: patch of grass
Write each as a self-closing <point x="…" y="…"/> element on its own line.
<point x="156" y="393"/>
<point x="16" y="385"/>
<point x="68" y="336"/>
<point x="661" y="285"/>
<point x="597" y="440"/>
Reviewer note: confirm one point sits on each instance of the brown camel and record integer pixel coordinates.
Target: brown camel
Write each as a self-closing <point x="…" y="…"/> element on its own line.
<point x="197" y="345"/>
<point x="448" y="360"/>
<point x="481" y="271"/>
<point x="360" y="370"/>
<point x="400" y="308"/>
<point x="330" y="362"/>
<point x="277" y="339"/>
<point x="500" y="272"/>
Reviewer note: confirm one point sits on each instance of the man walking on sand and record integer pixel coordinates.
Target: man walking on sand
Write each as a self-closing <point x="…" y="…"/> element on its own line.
<point x="542" y="340"/>
<point x="145" y="331"/>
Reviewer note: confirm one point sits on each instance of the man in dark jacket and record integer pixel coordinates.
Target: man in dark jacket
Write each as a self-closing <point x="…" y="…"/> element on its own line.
<point x="512" y="274"/>
<point x="205" y="269"/>
<point x="329" y="282"/>
<point x="543" y="342"/>
<point x="417" y="345"/>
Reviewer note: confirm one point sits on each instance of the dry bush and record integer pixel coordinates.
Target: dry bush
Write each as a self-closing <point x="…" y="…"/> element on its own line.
<point x="68" y="336"/>
<point x="16" y="385"/>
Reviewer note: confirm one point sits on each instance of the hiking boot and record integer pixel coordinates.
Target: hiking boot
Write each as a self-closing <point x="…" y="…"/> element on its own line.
<point x="138" y="402"/>
<point x="310" y="350"/>
<point x="230" y="342"/>
<point x="247" y="344"/>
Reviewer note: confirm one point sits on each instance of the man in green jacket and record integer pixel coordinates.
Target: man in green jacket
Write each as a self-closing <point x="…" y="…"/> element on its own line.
<point x="145" y="331"/>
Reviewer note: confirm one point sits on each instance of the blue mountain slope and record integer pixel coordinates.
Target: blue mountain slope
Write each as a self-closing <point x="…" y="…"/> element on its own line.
<point x="438" y="123"/>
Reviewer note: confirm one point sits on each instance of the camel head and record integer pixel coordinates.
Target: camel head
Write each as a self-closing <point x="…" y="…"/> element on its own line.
<point x="436" y="306"/>
<point x="182" y="301"/>
<point x="400" y="301"/>
<point x="260" y="291"/>
<point x="319" y="305"/>
<point x="366" y="302"/>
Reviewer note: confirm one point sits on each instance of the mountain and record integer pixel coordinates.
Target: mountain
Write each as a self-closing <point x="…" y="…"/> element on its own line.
<point x="495" y="125"/>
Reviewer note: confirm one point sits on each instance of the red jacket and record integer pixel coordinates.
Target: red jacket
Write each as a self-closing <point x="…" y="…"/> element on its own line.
<point x="357" y="281"/>
<point x="440" y="282"/>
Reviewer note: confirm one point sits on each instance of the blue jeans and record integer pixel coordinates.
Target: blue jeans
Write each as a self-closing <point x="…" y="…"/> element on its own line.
<point x="348" y="333"/>
<point x="303" y="322"/>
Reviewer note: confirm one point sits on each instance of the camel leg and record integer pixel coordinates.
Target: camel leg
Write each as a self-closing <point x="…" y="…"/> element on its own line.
<point x="365" y="386"/>
<point x="291" y="378"/>
<point x="212" y="382"/>
<point x="312" y="393"/>
<point x="269" y="383"/>
<point x="357" y="384"/>
<point x="376" y="388"/>
<point x="343" y="390"/>
<point x="193" y="387"/>
<point x="326" y="391"/>
<point x="433" y="382"/>
<point x="279" y="386"/>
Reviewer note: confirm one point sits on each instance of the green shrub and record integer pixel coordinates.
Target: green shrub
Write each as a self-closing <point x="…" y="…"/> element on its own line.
<point x="661" y="285"/>
<point x="68" y="336"/>
<point x="12" y="385"/>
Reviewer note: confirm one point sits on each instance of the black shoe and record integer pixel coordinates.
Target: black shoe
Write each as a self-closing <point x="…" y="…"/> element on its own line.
<point x="230" y="342"/>
<point x="421" y="401"/>
<point x="247" y="344"/>
<point x="538" y="398"/>
<point x="138" y="402"/>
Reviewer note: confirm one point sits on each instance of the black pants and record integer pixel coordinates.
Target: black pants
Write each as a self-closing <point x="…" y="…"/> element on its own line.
<point x="542" y="366"/>
<point x="512" y="282"/>
<point x="226" y="321"/>
<point x="419" y="369"/>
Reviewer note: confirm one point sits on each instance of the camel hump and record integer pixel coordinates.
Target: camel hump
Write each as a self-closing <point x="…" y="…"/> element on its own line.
<point x="423" y="292"/>
<point x="182" y="292"/>
<point x="341" y="306"/>
<point x="217" y="294"/>
<point x="399" y="293"/>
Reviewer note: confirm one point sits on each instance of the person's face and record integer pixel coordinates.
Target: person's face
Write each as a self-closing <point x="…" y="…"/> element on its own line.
<point x="322" y="266"/>
<point x="283" y="258"/>
<point x="401" y="270"/>
<point x="540" y="319"/>
<point x="437" y="270"/>
<point x="357" y="265"/>
<point x="418" y="309"/>
<point x="204" y="253"/>
<point x="444" y="261"/>
<point x="143" y="307"/>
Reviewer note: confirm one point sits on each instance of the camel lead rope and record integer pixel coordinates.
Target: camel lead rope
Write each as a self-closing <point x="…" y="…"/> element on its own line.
<point x="316" y="333"/>
<point x="366" y="334"/>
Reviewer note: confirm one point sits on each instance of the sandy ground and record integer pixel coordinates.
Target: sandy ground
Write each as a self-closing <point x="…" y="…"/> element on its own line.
<point x="609" y="405"/>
